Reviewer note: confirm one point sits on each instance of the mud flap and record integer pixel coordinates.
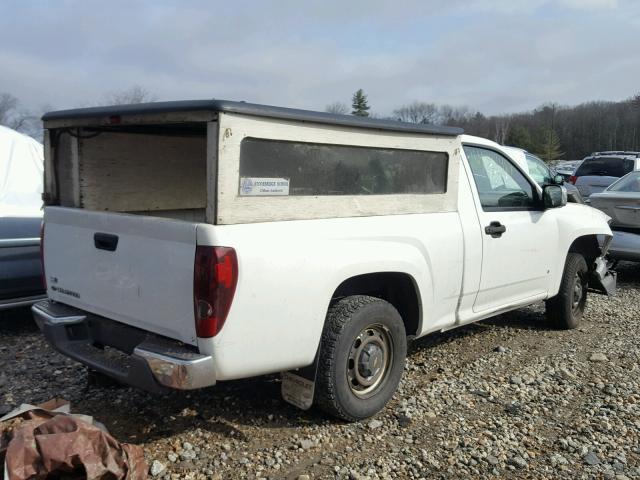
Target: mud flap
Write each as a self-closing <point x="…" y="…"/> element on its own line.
<point x="298" y="386"/>
<point x="601" y="279"/>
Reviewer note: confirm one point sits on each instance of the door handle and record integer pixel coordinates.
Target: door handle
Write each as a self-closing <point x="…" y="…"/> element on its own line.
<point x="495" y="229"/>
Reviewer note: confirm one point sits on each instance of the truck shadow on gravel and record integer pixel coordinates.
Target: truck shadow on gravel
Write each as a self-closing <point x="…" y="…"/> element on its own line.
<point x="136" y="416"/>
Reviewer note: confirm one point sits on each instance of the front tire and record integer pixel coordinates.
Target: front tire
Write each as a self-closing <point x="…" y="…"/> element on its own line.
<point x="362" y="356"/>
<point x="565" y="310"/>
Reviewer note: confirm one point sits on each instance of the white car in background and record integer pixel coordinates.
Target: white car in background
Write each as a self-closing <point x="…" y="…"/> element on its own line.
<point x="541" y="172"/>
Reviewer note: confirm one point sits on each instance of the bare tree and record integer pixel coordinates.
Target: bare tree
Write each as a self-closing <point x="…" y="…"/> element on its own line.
<point x="8" y="105"/>
<point x="339" y="108"/>
<point x="133" y="94"/>
<point x="10" y="113"/>
<point x="502" y="129"/>
<point x="451" y="114"/>
<point x="580" y="129"/>
<point x="17" y="118"/>
<point x="417" y="112"/>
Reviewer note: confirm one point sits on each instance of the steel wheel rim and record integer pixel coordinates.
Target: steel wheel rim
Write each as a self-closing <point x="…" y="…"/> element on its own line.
<point x="370" y="360"/>
<point x="578" y="292"/>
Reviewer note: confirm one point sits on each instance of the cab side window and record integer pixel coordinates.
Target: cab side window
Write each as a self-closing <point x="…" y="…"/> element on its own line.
<point x="500" y="184"/>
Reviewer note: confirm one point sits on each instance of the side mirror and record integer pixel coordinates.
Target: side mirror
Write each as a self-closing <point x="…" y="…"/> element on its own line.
<point x="554" y="196"/>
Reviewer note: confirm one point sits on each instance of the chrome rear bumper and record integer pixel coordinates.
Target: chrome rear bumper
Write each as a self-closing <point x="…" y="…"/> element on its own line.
<point x="126" y="353"/>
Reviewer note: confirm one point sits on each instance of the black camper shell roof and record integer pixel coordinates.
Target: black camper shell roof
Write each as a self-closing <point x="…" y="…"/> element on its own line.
<point x="252" y="109"/>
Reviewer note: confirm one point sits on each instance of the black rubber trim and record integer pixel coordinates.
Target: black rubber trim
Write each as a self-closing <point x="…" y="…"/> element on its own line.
<point x="250" y="109"/>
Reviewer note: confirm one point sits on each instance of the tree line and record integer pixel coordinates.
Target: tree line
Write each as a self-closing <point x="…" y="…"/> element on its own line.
<point x="551" y="131"/>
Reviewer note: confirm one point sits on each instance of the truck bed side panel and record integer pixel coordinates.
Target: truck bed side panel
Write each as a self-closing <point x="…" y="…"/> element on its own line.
<point x="288" y="272"/>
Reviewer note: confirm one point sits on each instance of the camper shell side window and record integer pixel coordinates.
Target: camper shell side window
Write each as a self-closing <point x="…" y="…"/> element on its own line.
<point x="326" y="169"/>
<point x="277" y="170"/>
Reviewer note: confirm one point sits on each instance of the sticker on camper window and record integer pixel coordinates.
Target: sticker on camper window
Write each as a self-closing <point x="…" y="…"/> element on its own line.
<point x="256" y="186"/>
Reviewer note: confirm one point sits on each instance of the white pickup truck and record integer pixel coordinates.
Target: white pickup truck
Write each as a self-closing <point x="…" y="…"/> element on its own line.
<point x="187" y="243"/>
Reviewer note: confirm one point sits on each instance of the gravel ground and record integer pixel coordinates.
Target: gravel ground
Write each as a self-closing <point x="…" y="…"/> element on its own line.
<point x="507" y="397"/>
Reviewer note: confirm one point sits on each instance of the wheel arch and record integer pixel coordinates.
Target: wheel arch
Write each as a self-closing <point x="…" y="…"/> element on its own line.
<point x="400" y="289"/>
<point x="586" y="245"/>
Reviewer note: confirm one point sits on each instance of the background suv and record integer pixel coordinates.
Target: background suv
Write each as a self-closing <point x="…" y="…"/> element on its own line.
<point x="601" y="169"/>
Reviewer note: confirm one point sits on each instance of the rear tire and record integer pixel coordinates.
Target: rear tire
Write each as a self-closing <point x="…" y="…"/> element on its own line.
<point x="565" y="310"/>
<point x="362" y="356"/>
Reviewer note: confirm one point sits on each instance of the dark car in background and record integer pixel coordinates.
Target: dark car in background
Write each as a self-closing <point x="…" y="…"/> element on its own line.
<point x="20" y="269"/>
<point x="601" y="169"/>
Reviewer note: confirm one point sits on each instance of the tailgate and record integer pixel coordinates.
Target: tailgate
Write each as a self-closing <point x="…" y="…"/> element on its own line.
<point x="134" y="269"/>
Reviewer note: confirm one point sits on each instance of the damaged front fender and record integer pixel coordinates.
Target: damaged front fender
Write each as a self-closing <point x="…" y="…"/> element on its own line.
<point x="601" y="278"/>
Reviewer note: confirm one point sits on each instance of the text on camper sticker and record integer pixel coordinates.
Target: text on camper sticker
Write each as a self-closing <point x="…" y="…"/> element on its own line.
<point x="254" y="186"/>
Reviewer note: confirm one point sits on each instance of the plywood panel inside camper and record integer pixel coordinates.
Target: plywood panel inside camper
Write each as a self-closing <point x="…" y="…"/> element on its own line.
<point x="155" y="171"/>
<point x="140" y="172"/>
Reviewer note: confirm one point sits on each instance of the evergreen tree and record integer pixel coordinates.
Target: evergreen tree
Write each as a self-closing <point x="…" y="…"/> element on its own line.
<point x="550" y="147"/>
<point x="520" y="137"/>
<point x="359" y="104"/>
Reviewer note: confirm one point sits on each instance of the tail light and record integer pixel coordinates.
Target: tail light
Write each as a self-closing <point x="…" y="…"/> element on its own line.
<point x="572" y="179"/>
<point x="43" y="276"/>
<point x="214" y="284"/>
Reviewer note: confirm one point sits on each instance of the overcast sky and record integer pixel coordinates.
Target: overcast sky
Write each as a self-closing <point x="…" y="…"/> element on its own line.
<point x="492" y="55"/>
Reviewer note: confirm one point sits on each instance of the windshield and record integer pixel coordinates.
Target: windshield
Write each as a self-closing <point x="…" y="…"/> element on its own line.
<point x="538" y="170"/>
<point x="605" y="166"/>
<point x="628" y="183"/>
